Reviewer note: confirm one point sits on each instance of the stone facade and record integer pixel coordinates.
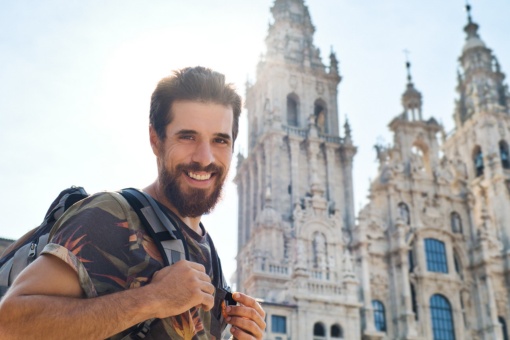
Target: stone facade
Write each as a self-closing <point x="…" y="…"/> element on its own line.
<point x="436" y="231"/>
<point x="295" y="186"/>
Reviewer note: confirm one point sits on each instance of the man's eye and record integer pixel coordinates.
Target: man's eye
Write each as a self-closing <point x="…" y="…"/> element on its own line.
<point x="221" y="141"/>
<point x="187" y="137"/>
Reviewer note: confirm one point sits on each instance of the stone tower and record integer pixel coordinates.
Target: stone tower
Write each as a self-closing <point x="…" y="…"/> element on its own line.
<point x="433" y="241"/>
<point x="296" y="209"/>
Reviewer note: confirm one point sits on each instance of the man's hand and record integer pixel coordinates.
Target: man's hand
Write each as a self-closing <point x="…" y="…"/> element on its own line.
<point x="180" y="287"/>
<point x="247" y="319"/>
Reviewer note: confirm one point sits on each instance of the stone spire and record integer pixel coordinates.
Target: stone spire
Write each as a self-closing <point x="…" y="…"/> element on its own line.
<point x="411" y="98"/>
<point x="290" y="36"/>
<point x="481" y="84"/>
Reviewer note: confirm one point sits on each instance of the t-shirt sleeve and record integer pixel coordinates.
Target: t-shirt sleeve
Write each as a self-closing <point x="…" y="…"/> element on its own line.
<point x="102" y="239"/>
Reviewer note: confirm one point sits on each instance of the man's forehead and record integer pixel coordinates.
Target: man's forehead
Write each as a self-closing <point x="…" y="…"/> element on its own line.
<point x="202" y="114"/>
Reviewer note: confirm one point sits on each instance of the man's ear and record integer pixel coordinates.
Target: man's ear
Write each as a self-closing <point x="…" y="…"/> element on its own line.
<point x="155" y="141"/>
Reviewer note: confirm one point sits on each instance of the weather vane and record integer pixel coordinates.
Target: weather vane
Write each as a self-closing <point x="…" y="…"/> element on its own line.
<point x="468" y="10"/>
<point x="408" y="64"/>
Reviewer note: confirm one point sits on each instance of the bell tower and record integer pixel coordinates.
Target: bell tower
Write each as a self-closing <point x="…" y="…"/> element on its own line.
<point x="296" y="209"/>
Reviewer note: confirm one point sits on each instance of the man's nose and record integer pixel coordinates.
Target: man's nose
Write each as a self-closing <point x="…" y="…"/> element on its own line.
<point x="203" y="154"/>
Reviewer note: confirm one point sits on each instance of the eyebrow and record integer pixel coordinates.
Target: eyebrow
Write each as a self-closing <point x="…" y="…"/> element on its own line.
<point x="193" y="132"/>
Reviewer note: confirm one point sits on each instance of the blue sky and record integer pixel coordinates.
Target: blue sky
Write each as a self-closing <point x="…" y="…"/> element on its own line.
<point x="76" y="78"/>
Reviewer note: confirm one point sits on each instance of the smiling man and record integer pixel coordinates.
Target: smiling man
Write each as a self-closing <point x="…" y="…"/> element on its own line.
<point x="102" y="275"/>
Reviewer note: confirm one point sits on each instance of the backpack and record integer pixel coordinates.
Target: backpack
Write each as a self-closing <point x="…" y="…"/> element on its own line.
<point x="168" y="239"/>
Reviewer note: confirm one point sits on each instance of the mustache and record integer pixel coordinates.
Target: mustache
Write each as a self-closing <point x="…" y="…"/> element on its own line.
<point x="196" y="167"/>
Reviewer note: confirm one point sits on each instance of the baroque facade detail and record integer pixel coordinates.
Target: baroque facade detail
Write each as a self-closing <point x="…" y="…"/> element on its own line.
<point x="427" y="257"/>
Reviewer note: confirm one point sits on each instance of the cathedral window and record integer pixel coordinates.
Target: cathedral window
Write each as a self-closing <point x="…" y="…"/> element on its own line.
<point x="379" y="315"/>
<point x="278" y="324"/>
<point x="337" y="332"/>
<point x="319" y="331"/>
<point x="403" y="211"/>
<point x="442" y="318"/>
<point x="292" y="110"/>
<point x="456" y="222"/>
<point x="478" y="160"/>
<point x="436" y="256"/>
<point x="504" y="330"/>
<point x="504" y="154"/>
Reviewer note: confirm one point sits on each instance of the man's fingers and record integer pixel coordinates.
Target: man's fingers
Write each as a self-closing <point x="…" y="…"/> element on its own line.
<point x="248" y="301"/>
<point x="247" y="318"/>
<point x="208" y="302"/>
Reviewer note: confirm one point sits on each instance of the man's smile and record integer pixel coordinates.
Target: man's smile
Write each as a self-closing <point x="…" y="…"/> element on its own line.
<point x="199" y="176"/>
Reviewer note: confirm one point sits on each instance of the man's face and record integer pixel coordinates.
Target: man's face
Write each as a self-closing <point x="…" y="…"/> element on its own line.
<point x="194" y="159"/>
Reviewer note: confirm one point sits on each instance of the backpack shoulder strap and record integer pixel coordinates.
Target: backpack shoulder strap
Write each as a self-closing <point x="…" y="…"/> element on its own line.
<point x="168" y="238"/>
<point x="160" y="226"/>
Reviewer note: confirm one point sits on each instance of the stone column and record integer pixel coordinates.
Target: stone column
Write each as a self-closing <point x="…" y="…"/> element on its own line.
<point x="294" y="170"/>
<point x="330" y="166"/>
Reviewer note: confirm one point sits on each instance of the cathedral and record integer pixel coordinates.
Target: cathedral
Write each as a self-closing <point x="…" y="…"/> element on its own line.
<point x="428" y="257"/>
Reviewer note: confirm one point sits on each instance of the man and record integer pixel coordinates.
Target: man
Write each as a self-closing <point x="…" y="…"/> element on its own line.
<point x="101" y="274"/>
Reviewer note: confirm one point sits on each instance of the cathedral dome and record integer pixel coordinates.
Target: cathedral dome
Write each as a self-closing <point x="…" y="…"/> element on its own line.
<point x="473" y="40"/>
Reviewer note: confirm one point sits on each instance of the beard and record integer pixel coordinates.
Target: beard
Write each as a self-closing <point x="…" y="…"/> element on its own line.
<point x="194" y="202"/>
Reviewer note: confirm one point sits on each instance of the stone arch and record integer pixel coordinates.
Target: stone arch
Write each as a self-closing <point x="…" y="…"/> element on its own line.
<point x="319" y="331"/>
<point x="456" y="222"/>
<point x="293" y="109"/>
<point x="404" y="213"/>
<point x="336" y="331"/>
<point x="420" y="157"/>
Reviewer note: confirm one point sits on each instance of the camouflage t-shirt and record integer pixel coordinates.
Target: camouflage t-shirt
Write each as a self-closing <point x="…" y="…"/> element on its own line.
<point x="103" y="240"/>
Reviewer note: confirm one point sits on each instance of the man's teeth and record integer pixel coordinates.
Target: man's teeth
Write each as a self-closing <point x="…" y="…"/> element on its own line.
<point x="199" y="177"/>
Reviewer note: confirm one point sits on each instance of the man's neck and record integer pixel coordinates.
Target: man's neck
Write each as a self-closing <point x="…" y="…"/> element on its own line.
<point x="156" y="192"/>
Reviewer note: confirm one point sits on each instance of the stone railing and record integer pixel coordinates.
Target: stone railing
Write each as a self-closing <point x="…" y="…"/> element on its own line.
<point x="296" y="131"/>
<point x="272" y="268"/>
<point x="323" y="275"/>
<point x="323" y="288"/>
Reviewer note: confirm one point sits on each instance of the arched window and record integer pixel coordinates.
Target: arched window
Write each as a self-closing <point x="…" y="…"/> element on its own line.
<point x="478" y="161"/>
<point x="436" y="256"/>
<point x="379" y="315"/>
<point x="337" y="332"/>
<point x="292" y="110"/>
<point x="403" y="211"/>
<point x="456" y="222"/>
<point x="319" y="331"/>
<point x="504" y="154"/>
<point x="419" y="158"/>
<point x="442" y="319"/>
<point x="504" y="331"/>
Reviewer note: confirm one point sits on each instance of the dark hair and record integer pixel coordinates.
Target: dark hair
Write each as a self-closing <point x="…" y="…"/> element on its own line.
<point x="198" y="84"/>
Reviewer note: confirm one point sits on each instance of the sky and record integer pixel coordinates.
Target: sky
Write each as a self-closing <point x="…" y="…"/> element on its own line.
<point x="76" y="79"/>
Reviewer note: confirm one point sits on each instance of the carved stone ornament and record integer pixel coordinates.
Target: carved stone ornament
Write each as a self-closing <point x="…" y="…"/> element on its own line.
<point x="443" y="172"/>
<point x="431" y="213"/>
